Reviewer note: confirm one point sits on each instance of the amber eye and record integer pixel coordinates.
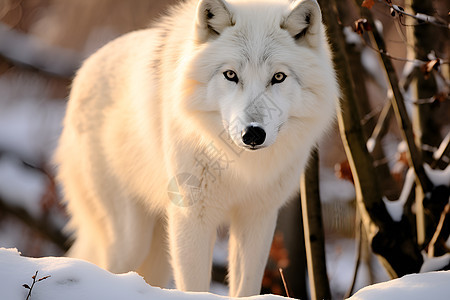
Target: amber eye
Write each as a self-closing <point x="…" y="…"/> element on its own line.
<point x="231" y="76"/>
<point x="278" y="77"/>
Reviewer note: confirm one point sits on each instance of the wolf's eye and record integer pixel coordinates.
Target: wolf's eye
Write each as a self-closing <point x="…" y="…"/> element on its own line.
<point x="231" y="76"/>
<point x="278" y="77"/>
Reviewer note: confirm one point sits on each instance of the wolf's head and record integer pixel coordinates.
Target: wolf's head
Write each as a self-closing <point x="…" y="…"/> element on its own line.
<point x="263" y="67"/>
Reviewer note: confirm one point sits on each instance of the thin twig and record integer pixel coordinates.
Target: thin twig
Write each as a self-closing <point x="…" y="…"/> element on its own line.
<point x="438" y="230"/>
<point x="30" y="289"/>
<point x="442" y="153"/>
<point x="284" y="282"/>
<point x="388" y="55"/>
<point x="382" y="124"/>
<point x="422" y="18"/>
<point x="358" y="255"/>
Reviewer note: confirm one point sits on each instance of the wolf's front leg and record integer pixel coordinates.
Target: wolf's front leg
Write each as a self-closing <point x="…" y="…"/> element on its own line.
<point x="251" y="236"/>
<point x="191" y="238"/>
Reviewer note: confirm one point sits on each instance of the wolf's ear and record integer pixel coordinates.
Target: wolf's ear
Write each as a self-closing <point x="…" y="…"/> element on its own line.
<point x="213" y="17"/>
<point x="304" y="22"/>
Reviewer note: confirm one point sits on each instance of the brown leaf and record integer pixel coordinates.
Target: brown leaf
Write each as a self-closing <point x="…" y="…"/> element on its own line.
<point x="368" y="3"/>
<point x="392" y="11"/>
<point x="441" y="97"/>
<point x="400" y="166"/>
<point x="343" y="171"/>
<point x="427" y="67"/>
<point x="362" y="25"/>
<point x="45" y="277"/>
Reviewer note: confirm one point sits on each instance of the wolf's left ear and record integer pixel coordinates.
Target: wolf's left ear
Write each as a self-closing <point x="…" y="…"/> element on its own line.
<point x="304" y="22"/>
<point x="213" y="17"/>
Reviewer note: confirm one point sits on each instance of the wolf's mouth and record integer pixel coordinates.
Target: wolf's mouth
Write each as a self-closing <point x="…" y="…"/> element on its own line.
<point x="253" y="148"/>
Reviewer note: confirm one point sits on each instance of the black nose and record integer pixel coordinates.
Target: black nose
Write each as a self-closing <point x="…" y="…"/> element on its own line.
<point x="253" y="135"/>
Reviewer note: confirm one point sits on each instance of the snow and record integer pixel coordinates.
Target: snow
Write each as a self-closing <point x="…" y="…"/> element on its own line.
<point x="433" y="285"/>
<point x="77" y="279"/>
<point x="351" y="37"/>
<point x="370" y="144"/>
<point x="425" y="18"/>
<point x="329" y="184"/>
<point x="220" y="253"/>
<point x="30" y="123"/>
<point x="438" y="177"/>
<point x="21" y="186"/>
<point x="395" y="208"/>
<point x="28" y="50"/>
<point x="371" y="63"/>
<point x="402" y="147"/>
<point x="434" y="263"/>
<point x="341" y="260"/>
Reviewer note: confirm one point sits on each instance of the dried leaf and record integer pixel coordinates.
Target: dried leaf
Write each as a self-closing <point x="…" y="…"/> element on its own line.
<point x="400" y="166"/>
<point x="368" y="3"/>
<point x="427" y="67"/>
<point x="392" y="11"/>
<point x="45" y="277"/>
<point x="397" y="9"/>
<point x="441" y="97"/>
<point x="343" y="171"/>
<point x="26" y="286"/>
<point x="362" y="25"/>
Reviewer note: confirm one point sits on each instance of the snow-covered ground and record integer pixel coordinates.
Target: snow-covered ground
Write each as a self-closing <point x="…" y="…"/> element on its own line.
<point x="69" y="278"/>
<point x="433" y="285"/>
<point x="75" y="279"/>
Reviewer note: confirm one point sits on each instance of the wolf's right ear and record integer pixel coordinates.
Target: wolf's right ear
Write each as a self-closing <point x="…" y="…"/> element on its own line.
<point x="213" y="17"/>
<point x="304" y="22"/>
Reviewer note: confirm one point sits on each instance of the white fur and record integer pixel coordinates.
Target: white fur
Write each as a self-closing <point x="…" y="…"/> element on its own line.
<point x="145" y="106"/>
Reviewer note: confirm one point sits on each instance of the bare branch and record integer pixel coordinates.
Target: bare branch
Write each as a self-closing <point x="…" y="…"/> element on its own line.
<point x="421" y="18"/>
<point x="438" y="230"/>
<point x="414" y="157"/>
<point x="43" y="225"/>
<point x="29" y="51"/>
<point x="442" y="155"/>
<point x="382" y="125"/>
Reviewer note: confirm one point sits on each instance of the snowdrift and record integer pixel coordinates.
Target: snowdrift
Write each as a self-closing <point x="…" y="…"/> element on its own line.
<point x="74" y="279"/>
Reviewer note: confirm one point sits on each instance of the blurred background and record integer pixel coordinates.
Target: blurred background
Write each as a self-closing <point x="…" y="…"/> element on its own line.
<point x="43" y="42"/>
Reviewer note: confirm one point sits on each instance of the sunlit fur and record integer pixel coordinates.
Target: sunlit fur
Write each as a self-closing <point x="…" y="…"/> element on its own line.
<point x="145" y="106"/>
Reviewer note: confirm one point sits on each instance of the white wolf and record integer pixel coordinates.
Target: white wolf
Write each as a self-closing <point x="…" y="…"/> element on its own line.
<point x="208" y="118"/>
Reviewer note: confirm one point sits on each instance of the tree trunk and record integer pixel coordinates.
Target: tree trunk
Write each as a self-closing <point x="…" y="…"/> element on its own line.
<point x="425" y="39"/>
<point x="313" y="229"/>
<point x="392" y="241"/>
